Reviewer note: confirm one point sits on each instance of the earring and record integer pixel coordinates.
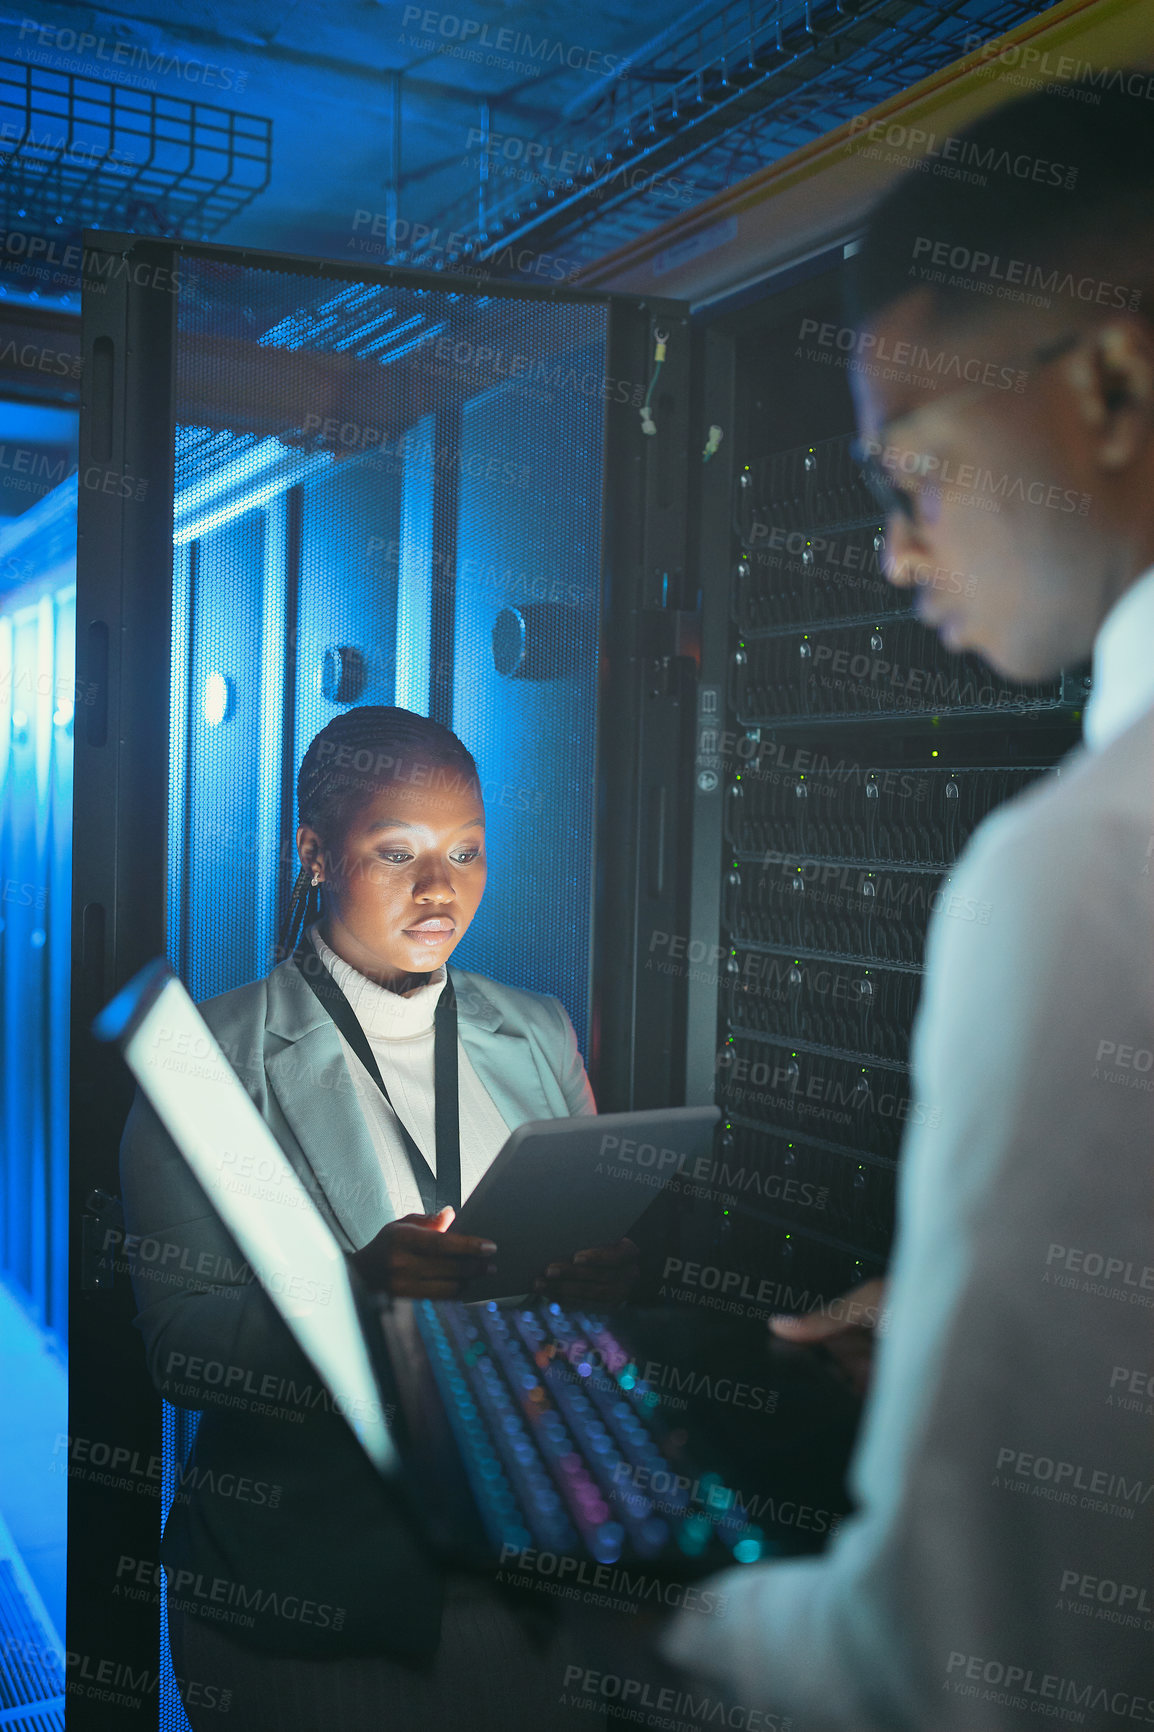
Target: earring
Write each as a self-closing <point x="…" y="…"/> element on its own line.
<point x="316" y="879"/>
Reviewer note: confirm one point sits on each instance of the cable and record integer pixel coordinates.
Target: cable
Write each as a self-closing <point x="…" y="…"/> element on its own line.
<point x="648" y="424"/>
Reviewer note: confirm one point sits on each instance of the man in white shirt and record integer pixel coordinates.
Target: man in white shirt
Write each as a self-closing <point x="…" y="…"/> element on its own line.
<point x="999" y="1571"/>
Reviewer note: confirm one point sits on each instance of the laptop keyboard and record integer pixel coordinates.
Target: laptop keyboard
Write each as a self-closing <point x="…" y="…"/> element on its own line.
<point x="564" y="1443"/>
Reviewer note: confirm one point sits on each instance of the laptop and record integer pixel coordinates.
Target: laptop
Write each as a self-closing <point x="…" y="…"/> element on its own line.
<point x="666" y="1439"/>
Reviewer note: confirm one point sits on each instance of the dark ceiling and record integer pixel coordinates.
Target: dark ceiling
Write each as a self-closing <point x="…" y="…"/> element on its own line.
<point x="382" y="130"/>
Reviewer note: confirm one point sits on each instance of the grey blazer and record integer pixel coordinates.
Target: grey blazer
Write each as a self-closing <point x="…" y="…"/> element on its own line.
<point x="278" y="1506"/>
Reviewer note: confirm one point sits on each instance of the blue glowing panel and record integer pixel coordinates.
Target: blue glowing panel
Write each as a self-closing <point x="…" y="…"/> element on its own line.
<point x="27" y="640"/>
<point x="37" y="691"/>
<point x="528" y="566"/>
<point x="223" y="852"/>
<point x="347" y="595"/>
<point x="415" y="568"/>
<point x="58" y="961"/>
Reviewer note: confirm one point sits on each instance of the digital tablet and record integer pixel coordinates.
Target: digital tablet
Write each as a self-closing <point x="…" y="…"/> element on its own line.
<point x="565" y="1185"/>
<point x="293" y="1253"/>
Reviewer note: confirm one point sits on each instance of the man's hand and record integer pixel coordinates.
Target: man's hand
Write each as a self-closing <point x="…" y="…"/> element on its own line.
<point x="604" y="1275"/>
<point x="418" y="1258"/>
<point x="845" y="1328"/>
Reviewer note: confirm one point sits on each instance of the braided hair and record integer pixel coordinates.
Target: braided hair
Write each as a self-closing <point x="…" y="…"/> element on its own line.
<point x="359" y="751"/>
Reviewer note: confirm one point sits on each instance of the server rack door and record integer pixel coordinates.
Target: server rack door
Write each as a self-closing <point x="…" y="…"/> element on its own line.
<point x="843" y="759"/>
<point x="332" y="488"/>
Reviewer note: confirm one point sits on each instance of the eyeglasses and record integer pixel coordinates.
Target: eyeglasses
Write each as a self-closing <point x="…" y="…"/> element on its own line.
<point x="896" y="499"/>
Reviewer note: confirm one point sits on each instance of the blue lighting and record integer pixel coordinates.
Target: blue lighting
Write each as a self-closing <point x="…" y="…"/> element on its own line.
<point x="218" y="699"/>
<point x="37" y="681"/>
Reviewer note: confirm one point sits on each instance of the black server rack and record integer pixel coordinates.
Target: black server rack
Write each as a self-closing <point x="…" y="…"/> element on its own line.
<point x="843" y="758"/>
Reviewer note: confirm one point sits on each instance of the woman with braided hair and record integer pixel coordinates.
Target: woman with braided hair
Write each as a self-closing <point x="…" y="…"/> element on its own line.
<point x="391" y="1083"/>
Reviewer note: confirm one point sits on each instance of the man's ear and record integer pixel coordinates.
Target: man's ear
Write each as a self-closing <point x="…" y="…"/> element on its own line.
<point x="1112" y="376"/>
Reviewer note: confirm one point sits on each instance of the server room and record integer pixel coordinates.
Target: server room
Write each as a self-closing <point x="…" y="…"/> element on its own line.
<point x="576" y="837"/>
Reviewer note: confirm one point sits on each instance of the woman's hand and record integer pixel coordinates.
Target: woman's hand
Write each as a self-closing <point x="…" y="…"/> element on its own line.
<point x="604" y="1275"/>
<point x="846" y="1328"/>
<point x="418" y="1258"/>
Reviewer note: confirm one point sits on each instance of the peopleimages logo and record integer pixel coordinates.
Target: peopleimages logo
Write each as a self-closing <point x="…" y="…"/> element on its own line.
<point x="1021" y="273"/>
<point x="938" y="364"/>
<point x="1023" y="1687"/>
<point x="973" y="484"/>
<point x="97" y="267"/>
<point x="1070" y="1483"/>
<point x="84" y="45"/>
<point x="73" y="151"/>
<point x="220" y="1596"/>
<point x="1068" y="74"/>
<point x="931" y="148"/>
<point x="527" y="1566"/>
<point x="101" y="1679"/>
<point x="1107" y="1592"/>
<point x="470" y="35"/>
<point x="680" y="1708"/>
<point x="671" y="1493"/>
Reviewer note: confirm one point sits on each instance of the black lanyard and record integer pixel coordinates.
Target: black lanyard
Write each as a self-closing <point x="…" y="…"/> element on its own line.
<point x="445" y="1187"/>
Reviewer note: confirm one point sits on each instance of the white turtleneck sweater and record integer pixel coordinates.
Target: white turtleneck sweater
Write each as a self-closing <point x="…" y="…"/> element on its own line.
<point x="400" y="1033"/>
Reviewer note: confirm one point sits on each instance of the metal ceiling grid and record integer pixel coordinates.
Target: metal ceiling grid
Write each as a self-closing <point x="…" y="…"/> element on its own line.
<point x="755" y="81"/>
<point x="87" y="152"/>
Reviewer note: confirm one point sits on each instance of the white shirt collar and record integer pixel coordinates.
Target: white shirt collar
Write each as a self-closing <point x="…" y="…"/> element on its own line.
<point x="1123" y="665"/>
<point x="383" y="1015"/>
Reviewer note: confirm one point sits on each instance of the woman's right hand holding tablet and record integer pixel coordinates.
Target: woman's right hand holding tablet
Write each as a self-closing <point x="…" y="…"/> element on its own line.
<point x="418" y="1258"/>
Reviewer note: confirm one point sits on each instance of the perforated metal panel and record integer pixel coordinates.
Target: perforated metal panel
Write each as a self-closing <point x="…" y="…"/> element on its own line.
<point x="528" y="556"/>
